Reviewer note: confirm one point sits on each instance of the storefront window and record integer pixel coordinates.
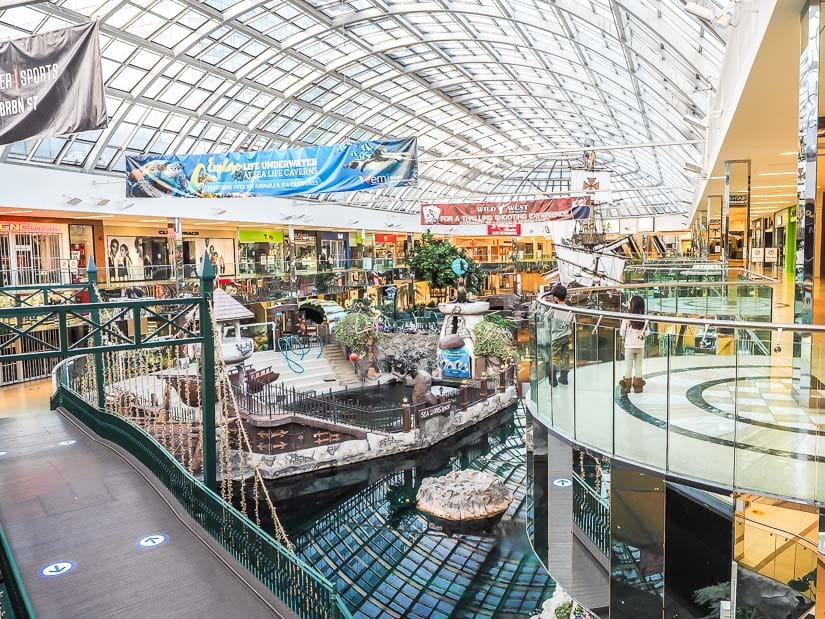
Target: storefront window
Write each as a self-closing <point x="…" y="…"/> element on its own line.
<point x="81" y="250"/>
<point x="306" y="259"/>
<point x="33" y="253"/>
<point x="261" y="252"/>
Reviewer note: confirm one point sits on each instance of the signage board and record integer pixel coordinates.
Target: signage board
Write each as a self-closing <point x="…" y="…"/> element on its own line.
<point x="515" y="211"/>
<point x="738" y="199"/>
<point x="434" y="411"/>
<point x="29" y="227"/>
<point x="771" y="255"/>
<point x="385" y="238"/>
<point x="51" y="84"/>
<point x="757" y="255"/>
<point x="261" y="236"/>
<point x="310" y="170"/>
<point x="506" y="230"/>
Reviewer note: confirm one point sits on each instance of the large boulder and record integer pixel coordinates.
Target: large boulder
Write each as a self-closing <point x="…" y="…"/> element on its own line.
<point x="464" y="498"/>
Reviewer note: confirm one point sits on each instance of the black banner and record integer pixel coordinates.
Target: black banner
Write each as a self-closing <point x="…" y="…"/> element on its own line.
<point x="51" y="84"/>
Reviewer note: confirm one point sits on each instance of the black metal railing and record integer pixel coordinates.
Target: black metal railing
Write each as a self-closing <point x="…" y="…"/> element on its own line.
<point x="274" y="400"/>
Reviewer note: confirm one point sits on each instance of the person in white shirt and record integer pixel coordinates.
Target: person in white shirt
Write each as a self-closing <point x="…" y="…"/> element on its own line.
<point x="634" y="333"/>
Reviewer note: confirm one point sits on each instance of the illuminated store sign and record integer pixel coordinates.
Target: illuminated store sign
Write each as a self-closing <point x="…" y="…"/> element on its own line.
<point x="511" y="230"/>
<point x="28" y="227"/>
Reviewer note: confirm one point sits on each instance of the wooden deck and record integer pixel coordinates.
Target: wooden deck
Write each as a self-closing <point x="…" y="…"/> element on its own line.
<point x="89" y="504"/>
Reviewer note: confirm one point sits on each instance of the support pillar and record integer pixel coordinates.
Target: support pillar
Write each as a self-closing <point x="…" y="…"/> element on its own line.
<point x="207" y="367"/>
<point x="97" y="338"/>
<point x="736" y="213"/>
<point x="175" y="231"/>
<point x="809" y="62"/>
<point x="714" y="215"/>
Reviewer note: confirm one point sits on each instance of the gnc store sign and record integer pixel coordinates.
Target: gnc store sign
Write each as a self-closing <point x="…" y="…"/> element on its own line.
<point x="30" y="227"/>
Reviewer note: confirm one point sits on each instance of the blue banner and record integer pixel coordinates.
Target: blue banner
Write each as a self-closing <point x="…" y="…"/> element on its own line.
<point x="312" y="170"/>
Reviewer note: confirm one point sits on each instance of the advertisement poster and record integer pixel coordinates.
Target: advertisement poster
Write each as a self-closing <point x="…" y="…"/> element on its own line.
<point x="221" y="254"/>
<point x="51" y="84"/>
<point x="311" y="170"/>
<point x="454" y="362"/>
<point x="516" y="211"/>
<point x="137" y="258"/>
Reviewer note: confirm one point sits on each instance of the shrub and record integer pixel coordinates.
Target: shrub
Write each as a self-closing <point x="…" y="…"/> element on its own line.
<point x="490" y="340"/>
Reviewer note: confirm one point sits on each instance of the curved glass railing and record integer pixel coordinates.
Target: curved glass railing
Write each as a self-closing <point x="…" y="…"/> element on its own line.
<point x="743" y="300"/>
<point x="689" y="271"/>
<point x="723" y="401"/>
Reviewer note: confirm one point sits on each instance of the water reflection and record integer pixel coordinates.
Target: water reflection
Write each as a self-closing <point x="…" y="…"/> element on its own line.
<point x="359" y="528"/>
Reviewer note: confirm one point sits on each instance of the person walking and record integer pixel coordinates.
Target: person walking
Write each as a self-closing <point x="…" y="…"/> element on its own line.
<point x="559" y="338"/>
<point x="634" y="333"/>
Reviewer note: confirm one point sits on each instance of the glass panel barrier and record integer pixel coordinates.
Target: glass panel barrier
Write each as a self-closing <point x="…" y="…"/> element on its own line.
<point x="594" y="386"/>
<point x="640" y="418"/>
<point x="561" y="376"/>
<point x="700" y="430"/>
<point x="543" y="357"/>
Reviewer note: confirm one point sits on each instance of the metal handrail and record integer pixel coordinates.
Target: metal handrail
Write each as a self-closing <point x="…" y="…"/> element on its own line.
<point x="672" y="285"/>
<point x="699" y="322"/>
<point x="285" y="574"/>
<point x="18" y="598"/>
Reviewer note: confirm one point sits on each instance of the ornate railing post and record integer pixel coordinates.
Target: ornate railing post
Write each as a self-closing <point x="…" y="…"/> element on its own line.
<point x="207" y="367"/>
<point x="97" y="338"/>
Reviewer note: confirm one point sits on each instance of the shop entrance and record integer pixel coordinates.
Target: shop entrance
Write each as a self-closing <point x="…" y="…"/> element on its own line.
<point x="28" y="259"/>
<point x="333" y="254"/>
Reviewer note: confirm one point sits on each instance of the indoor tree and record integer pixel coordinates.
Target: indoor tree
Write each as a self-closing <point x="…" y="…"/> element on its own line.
<point x="431" y="261"/>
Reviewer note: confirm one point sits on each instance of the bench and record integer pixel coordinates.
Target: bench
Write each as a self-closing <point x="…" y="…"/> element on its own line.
<point x="257" y="379"/>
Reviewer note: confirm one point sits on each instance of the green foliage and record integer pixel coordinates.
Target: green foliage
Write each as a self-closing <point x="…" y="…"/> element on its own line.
<point x="490" y="340"/>
<point x="354" y="331"/>
<point x="500" y="321"/>
<point x="323" y="280"/>
<point x="432" y="260"/>
<point x="711" y="596"/>
<point x="563" y="611"/>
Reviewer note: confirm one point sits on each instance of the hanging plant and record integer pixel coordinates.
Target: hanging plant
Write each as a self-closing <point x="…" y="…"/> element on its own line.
<point x="490" y="340"/>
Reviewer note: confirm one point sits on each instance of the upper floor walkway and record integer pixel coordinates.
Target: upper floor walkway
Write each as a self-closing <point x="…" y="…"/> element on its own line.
<point x="94" y="534"/>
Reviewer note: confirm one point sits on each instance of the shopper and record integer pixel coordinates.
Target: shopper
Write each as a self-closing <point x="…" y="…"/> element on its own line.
<point x="634" y="333"/>
<point x="560" y="338"/>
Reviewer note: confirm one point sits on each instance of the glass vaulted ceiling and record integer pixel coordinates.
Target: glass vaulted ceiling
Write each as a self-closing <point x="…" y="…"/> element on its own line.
<point x="476" y="78"/>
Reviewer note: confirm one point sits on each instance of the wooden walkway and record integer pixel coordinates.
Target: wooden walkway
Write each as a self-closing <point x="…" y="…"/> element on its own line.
<point x="86" y="505"/>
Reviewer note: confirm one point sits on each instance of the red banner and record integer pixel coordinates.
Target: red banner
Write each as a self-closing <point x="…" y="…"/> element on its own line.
<point x="511" y="230"/>
<point x="516" y="211"/>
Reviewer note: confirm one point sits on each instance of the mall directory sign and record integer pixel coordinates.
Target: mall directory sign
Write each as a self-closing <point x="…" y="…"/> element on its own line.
<point x="507" y="213"/>
<point x="392" y="162"/>
<point x="51" y="84"/>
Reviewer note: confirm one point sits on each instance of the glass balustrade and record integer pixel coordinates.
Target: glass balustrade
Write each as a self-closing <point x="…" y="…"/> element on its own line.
<point x="718" y="404"/>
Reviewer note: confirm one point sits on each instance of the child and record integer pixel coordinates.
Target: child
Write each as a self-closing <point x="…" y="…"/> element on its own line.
<point x="634" y="333"/>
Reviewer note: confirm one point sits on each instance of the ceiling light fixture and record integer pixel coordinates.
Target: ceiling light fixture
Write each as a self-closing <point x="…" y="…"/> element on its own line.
<point x="788" y="153"/>
<point x="16" y="212"/>
<point x="777" y="174"/>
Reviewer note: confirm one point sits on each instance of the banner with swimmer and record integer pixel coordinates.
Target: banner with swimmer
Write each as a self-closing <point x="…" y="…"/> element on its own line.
<point x="51" y="84"/>
<point x="391" y="162"/>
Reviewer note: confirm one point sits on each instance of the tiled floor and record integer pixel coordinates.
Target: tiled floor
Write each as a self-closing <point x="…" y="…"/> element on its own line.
<point x="730" y="420"/>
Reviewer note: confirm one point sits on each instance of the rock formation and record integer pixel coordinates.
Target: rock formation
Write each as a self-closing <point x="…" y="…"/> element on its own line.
<point x="464" y="497"/>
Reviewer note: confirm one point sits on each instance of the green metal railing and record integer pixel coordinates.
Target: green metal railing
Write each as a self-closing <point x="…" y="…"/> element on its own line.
<point x="591" y="513"/>
<point x="301" y="587"/>
<point x="14" y="601"/>
<point x="89" y="329"/>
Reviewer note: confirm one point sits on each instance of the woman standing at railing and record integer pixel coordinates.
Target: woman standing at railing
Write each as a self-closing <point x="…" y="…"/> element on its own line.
<point x="634" y="333"/>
